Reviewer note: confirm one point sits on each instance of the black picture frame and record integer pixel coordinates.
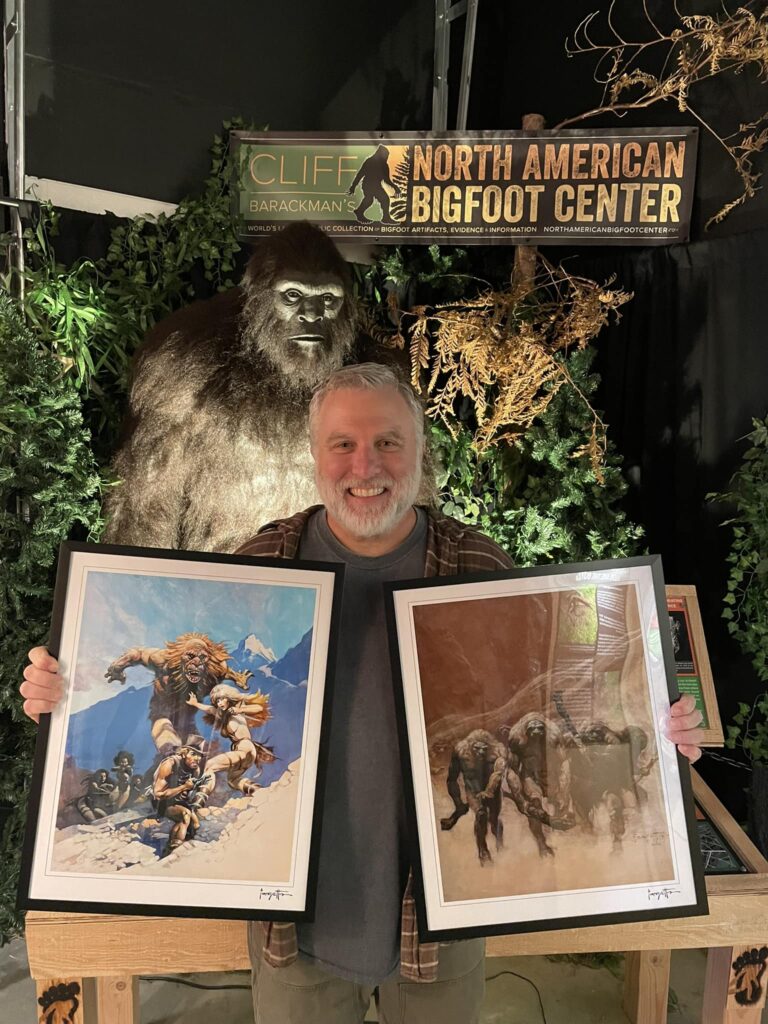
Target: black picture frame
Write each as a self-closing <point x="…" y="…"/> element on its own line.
<point x="444" y="647"/>
<point x="106" y="582"/>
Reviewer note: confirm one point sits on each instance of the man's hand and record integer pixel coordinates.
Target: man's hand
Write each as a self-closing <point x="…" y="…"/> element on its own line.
<point x="43" y="687"/>
<point x="681" y="727"/>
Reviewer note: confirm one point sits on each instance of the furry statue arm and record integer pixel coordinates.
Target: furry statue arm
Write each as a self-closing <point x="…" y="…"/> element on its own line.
<point x="158" y="463"/>
<point x="146" y="507"/>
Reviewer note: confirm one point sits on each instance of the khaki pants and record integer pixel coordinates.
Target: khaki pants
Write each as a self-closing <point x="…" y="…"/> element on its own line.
<point x="305" y="994"/>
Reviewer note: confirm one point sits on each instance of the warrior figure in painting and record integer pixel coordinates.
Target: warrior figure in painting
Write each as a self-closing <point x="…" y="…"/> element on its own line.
<point x="100" y="796"/>
<point x="129" y="784"/>
<point x="180" y="788"/>
<point x="480" y="760"/>
<point x="191" y="665"/>
<point x="235" y="715"/>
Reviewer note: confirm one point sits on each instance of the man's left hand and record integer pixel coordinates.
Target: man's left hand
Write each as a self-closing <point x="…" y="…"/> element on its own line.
<point x="682" y="727"/>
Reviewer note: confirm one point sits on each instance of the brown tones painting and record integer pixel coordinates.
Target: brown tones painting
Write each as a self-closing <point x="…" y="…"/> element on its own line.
<point x="541" y="743"/>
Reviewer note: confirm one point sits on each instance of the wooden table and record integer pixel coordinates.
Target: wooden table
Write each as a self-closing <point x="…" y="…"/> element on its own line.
<point x="104" y="955"/>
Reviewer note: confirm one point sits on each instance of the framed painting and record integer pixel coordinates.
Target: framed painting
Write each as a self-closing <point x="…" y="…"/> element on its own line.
<point x="540" y="788"/>
<point x="181" y="774"/>
<point x="716" y="853"/>
<point x="689" y="646"/>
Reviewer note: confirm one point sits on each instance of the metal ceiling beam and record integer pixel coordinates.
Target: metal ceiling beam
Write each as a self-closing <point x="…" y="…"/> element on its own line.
<point x="445" y="14"/>
<point x="13" y="41"/>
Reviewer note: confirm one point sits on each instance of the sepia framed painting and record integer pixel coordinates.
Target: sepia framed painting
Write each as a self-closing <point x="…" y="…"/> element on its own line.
<point x="182" y="772"/>
<point x="540" y="788"/>
<point x="692" y="667"/>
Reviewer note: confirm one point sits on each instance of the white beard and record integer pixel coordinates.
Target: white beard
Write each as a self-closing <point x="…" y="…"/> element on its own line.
<point x="363" y="523"/>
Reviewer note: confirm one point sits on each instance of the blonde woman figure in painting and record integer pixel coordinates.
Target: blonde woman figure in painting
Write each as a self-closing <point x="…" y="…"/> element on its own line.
<point x="234" y="714"/>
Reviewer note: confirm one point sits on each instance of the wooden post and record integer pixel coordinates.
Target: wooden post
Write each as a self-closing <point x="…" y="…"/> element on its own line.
<point x="524" y="270"/>
<point x="62" y="999"/>
<point x="646" y="986"/>
<point x="118" y="999"/>
<point x="735" y="985"/>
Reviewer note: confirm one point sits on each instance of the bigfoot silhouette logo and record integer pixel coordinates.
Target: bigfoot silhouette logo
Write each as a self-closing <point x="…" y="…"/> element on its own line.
<point x="377" y="186"/>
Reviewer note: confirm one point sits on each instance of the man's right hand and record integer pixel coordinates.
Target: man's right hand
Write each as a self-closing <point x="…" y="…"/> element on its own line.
<point x="43" y="687"/>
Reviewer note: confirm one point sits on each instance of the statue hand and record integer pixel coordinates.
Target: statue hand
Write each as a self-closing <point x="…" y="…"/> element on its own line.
<point x="115" y="674"/>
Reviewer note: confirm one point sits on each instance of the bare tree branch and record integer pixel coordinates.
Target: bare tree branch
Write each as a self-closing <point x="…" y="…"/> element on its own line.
<point x="700" y="48"/>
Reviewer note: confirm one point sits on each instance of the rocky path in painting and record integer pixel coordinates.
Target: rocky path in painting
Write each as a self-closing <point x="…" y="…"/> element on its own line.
<point x="130" y="842"/>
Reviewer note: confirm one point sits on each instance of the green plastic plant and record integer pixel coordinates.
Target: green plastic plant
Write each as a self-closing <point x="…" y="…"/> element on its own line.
<point x="94" y="314"/>
<point x="49" y="491"/>
<point x="746" y="598"/>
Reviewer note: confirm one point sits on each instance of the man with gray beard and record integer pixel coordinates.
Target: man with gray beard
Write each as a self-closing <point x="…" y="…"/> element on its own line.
<point x="367" y="438"/>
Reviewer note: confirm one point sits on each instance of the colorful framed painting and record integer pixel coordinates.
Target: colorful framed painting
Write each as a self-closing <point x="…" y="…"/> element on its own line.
<point x="694" y="674"/>
<point x="182" y="772"/>
<point x="540" y="788"/>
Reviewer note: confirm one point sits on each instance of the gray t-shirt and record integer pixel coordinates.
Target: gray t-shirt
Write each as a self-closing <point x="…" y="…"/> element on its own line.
<point x="363" y="867"/>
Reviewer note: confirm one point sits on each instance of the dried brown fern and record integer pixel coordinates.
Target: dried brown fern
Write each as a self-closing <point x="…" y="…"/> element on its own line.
<point x="700" y="48"/>
<point x="500" y="351"/>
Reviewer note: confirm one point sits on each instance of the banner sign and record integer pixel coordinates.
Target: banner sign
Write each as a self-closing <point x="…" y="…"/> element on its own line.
<point x="586" y="186"/>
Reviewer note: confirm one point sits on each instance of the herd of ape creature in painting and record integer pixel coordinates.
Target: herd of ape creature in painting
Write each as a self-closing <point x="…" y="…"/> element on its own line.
<point x="555" y="777"/>
<point x="187" y="670"/>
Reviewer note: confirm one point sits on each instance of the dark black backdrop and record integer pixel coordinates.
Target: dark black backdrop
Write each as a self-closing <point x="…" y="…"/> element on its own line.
<point x="127" y="98"/>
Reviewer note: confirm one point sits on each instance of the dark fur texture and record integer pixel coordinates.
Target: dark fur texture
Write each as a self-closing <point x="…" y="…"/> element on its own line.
<point x="215" y="442"/>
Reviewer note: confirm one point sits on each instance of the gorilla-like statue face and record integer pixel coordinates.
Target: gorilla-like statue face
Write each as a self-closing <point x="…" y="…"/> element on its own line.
<point x="308" y="309"/>
<point x="299" y="309"/>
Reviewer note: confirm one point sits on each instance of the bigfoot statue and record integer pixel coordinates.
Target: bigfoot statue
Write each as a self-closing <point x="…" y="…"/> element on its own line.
<point x="216" y="442"/>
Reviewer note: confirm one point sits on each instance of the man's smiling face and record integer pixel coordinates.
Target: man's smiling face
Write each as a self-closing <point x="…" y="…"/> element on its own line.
<point x="367" y="456"/>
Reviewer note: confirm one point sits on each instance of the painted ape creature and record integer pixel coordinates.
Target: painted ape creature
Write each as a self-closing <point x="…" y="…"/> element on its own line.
<point x="191" y="665"/>
<point x="538" y="770"/>
<point x="605" y="765"/>
<point x="480" y="760"/>
<point x="215" y="442"/>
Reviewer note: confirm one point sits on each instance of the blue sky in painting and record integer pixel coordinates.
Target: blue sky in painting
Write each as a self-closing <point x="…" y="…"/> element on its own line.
<point x="124" y="610"/>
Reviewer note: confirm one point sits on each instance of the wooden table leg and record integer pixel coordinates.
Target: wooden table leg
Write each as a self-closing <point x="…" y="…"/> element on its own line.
<point x="118" y="999"/>
<point x="646" y="986"/>
<point x="62" y="999"/>
<point x="735" y="985"/>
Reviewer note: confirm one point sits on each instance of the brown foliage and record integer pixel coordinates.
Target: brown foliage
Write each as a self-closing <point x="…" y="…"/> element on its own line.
<point x="500" y="350"/>
<point x="700" y="48"/>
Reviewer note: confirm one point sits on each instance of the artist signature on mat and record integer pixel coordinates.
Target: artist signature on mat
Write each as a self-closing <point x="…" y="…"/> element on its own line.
<point x="273" y="894"/>
<point x="661" y="895"/>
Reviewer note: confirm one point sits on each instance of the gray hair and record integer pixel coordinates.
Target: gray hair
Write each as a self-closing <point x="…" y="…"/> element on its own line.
<point x="368" y="377"/>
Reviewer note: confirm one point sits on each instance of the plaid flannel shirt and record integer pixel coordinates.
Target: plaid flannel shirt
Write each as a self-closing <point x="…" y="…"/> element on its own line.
<point x="452" y="548"/>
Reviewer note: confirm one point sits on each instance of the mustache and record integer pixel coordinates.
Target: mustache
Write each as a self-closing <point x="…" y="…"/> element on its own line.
<point x="379" y="481"/>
